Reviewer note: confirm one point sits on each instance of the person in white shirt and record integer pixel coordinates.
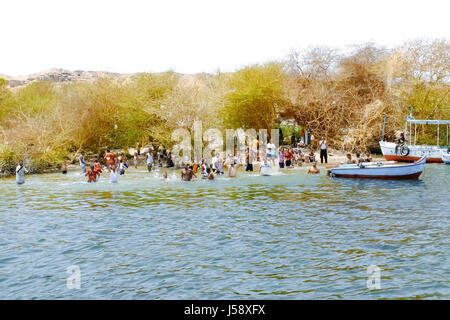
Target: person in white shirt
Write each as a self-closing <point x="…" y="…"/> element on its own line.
<point x="113" y="176"/>
<point x="219" y="165"/>
<point x="149" y="158"/>
<point x="20" y="173"/>
<point x="214" y="161"/>
<point x="264" y="168"/>
<point x="82" y="163"/>
<point x="271" y="152"/>
<point x="232" y="171"/>
<point x="323" y="150"/>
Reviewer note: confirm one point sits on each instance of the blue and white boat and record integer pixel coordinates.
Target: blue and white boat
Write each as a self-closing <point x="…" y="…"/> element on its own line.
<point x="381" y="170"/>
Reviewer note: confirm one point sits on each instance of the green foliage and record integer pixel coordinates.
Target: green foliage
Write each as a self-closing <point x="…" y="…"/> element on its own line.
<point x="429" y="101"/>
<point x="5" y="99"/>
<point x="257" y="93"/>
<point x="9" y="157"/>
<point x="37" y="97"/>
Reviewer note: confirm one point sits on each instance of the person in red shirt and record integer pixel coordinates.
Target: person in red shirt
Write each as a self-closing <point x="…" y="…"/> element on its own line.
<point x="92" y="174"/>
<point x="109" y="159"/>
<point x="98" y="169"/>
<point x="288" y="156"/>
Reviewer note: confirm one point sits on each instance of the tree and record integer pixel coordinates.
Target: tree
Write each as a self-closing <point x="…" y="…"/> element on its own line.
<point x="256" y="94"/>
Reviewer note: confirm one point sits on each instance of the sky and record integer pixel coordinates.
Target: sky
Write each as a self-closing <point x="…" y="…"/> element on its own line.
<point x="194" y="36"/>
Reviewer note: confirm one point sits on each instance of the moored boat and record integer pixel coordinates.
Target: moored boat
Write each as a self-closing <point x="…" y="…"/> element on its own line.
<point x="381" y="171"/>
<point x="410" y="153"/>
<point x="408" y="150"/>
<point x="446" y="156"/>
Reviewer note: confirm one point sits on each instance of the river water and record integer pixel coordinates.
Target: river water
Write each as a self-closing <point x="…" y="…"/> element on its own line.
<point x="287" y="236"/>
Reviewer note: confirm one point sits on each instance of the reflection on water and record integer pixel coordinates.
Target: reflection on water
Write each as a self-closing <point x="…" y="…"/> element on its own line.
<point x="288" y="236"/>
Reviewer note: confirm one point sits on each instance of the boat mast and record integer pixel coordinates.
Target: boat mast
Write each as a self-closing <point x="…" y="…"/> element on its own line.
<point x="438" y="134"/>
<point x="410" y="117"/>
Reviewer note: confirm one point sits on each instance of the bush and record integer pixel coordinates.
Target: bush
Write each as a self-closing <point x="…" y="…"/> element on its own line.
<point x="8" y="160"/>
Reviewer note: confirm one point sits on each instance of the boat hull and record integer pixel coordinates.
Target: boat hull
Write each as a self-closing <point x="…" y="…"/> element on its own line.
<point x="413" y="176"/>
<point x="433" y="153"/>
<point x="397" y="172"/>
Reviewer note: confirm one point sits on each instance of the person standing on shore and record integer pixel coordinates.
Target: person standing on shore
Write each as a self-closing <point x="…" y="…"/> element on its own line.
<point x="254" y="154"/>
<point x="20" y="173"/>
<point x="82" y="163"/>
<point x="323" y="150"/>
<point x="281" y="157"/>
<point x="135" y="159"/>
<point x="293" y="139"/>
<point x="249" y="164"/>
<point x="288" y="156"/>
<point x="311" y="157"/>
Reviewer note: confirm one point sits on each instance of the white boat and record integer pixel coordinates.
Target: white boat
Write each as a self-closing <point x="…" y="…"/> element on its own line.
<point x="410" y="151"/>
<point x="446" y="156"/>
<point x="380" y="170"/>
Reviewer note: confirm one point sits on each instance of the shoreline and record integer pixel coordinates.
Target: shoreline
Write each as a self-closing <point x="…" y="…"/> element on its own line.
<point x="334" y="159"/>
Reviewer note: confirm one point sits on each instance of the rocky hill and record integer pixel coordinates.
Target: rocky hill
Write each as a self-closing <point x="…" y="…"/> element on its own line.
<point x="62" y="75"/>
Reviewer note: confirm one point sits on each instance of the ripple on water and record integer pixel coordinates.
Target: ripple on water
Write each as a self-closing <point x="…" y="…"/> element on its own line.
<point x="289" y="236"/>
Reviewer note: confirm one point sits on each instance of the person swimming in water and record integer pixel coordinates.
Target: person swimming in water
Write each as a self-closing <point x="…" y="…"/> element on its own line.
<point x="64" y="168"/>
<point x="210" y="174"/>
<point x="165" y="176"/>
<point x="92" y="174"/>
<point x="264" y="168"/>
<point x="187" y="174"/>
<point x="313" y="169"/>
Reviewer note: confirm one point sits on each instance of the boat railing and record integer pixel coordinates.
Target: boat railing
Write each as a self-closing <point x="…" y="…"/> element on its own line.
<point x="411" y="121"/>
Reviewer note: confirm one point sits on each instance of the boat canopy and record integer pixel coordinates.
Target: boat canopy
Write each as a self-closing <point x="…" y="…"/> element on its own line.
<point x="410" y="120"/>
<point x="438" y="122"/>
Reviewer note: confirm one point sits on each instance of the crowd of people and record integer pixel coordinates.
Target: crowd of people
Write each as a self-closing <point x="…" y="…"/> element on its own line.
<point x="290" y="156"/>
